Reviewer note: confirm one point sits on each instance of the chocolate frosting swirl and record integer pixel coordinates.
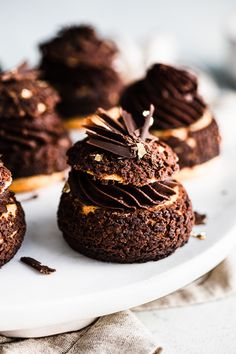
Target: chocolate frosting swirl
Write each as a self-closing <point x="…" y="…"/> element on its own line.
<point x="116" y="196"/>
<point x="79" y="45"/>
<point x="173" y="92"/>
<point x="120" y="137"/>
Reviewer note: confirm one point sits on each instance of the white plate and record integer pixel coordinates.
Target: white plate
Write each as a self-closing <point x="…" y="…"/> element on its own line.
<point x="32" y="304"/>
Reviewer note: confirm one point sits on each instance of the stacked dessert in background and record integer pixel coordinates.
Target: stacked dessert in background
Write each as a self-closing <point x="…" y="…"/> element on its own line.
<point x="79" y="65"/>
<point x="182" y="118"/>
<point x="12" y="219"/>
<point x="33" y="141"/>
<point x="120" y="203"/>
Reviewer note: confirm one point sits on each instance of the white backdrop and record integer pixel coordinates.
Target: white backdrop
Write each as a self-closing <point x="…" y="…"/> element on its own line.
<point x="197" y="24"/>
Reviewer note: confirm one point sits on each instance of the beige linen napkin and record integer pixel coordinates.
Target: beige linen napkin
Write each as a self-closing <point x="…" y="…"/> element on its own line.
<point x="123" y="333"/>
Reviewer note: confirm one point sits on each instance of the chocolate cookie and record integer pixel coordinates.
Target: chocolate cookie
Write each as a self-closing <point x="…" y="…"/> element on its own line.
<point x="182" y="118"/>
<point x="12" y="219"/>
<point x="120" y="203"/>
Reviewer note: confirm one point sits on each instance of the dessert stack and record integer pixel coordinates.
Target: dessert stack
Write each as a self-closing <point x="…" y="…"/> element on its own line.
<point x="79" y="64"/>
<point x="182" y="118"/>
<point x="120" y="203"/>
<point x="33" y="141"/>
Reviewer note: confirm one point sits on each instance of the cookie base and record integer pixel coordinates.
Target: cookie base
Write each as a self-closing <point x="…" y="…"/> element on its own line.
<point x="28" y="184"/>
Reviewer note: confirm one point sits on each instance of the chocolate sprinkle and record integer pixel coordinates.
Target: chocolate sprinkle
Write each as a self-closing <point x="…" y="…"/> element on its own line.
<point x="43" y="269"/>
<point x="200" y="219"/>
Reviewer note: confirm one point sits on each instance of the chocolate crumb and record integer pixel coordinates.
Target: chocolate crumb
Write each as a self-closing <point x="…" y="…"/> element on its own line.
<point x="200" y="236"/>
<point x="43" y="269"/>
<point x="31" y="197"/>
<point x="200" y="219"/>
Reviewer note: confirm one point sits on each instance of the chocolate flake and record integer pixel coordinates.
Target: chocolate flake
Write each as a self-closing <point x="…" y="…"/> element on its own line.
<point x="43" y="269"/>
<point x="200" y="219"/>
<point x="147" y="123"/>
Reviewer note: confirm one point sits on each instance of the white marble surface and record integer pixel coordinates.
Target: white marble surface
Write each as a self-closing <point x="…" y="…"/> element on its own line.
<point x="207" y="328"/>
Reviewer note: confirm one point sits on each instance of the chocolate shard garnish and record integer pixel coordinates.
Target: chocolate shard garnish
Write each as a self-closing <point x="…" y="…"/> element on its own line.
<point x="147" y="123"/>
<point x="33" y="263"/>
<point x="120" y="137"/>
<point x="200" y="219"/>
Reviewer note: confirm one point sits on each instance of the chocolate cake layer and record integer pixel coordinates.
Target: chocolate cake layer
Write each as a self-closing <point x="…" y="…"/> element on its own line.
<point x="80" y="66"/>
<point x="201" y="146"/>
<point x="172" y="91"/>
<point x="126" y="236"/>
<point x="32" y="138"/>
<point x="12" y="230"/>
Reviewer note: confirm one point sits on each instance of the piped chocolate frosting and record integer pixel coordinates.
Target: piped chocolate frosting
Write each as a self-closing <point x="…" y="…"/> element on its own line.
<point x="174" y="93"/>
<point x="118" y="196"/>
<point x="32" y="138"/>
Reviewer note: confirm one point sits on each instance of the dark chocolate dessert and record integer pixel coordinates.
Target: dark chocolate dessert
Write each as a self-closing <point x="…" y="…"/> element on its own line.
<point x="182" y="118"/>
<point x="120" y="203"/>
<point x="12" y="219"/>
<point x="80" y="66"/>
<point x="33" y="141"/>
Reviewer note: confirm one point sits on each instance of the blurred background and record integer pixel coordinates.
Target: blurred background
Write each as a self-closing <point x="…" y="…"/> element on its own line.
<point x="199" y="33"/>
<point x="198" y="27"/>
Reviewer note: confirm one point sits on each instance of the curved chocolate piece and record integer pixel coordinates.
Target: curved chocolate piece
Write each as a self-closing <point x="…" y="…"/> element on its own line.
<point x="32" y="138"/>
<point x="173" y="93"/>
<point x="118" y="196"/>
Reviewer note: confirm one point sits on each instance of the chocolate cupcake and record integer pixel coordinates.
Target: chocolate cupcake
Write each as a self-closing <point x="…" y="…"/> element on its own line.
<point x="120" y="203"/>
<point x="79" y="65"/>
<point x="182" y="120"/>
<point x="33" y="141"/>
<point x="12" y="219"/>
